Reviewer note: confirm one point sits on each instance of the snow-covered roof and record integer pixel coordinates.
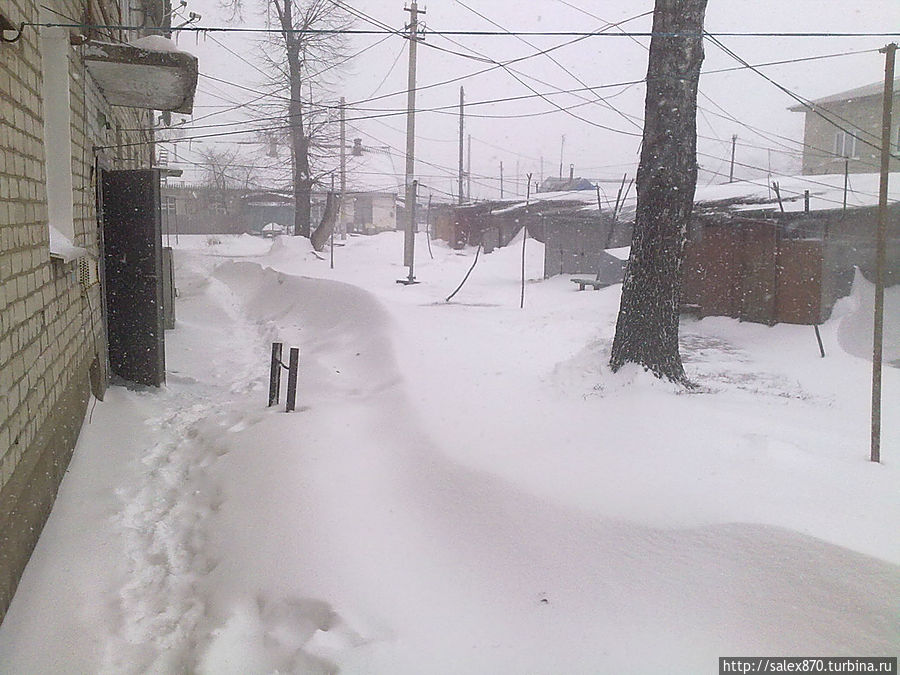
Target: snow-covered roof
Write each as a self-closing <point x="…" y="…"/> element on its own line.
<point x="825" y="192"/>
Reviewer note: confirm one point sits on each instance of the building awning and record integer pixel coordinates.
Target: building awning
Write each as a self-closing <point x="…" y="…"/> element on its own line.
<point x="147" y="74"/>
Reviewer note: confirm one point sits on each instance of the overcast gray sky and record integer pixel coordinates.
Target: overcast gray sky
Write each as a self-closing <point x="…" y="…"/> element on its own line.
<point x="730" y="102"/>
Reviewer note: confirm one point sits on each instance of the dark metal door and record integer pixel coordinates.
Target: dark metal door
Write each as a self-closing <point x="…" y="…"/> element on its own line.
<point x="132" y="238"/>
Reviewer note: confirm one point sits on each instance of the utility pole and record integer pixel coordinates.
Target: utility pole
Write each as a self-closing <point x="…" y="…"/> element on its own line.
<point x="462" y="129"/>
<point x="562" y="146"/>
<point x="524" y="239"/>
<point x="516" y="178"/>
<point x="846" y="183"/>
<point x="342" y="226"/>
<point x="890" y="52"/>
<point x="469" y="168"/>
<point x="731" y="172"/>
<point x="501" y="180"/>
<point x="409" y="240"/>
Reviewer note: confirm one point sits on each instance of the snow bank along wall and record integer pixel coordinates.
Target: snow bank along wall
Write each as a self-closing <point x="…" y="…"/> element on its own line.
<point x="52" y="338"/>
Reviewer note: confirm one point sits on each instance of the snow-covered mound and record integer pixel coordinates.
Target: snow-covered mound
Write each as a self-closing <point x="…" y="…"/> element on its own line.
<point x="856" y="329"/>
<point x="465" y="486"/>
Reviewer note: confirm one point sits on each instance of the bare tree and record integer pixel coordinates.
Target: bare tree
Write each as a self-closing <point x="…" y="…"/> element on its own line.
<point x="223" y="172"/>
<point x="647" y="327"/>
<point x="298" y="60"/>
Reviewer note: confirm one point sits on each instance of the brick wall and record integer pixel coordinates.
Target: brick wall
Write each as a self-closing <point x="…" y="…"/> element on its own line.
<point x="51" y="327"/>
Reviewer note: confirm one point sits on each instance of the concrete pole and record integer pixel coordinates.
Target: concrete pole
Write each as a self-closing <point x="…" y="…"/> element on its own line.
<point x="342" y="225"/>
<point x="409" y="241"/>
<point x="461" y="136"/>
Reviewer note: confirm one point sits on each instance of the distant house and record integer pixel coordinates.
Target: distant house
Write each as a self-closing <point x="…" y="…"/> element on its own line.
<point x="370" y="212"/>
<point x="845" y="128"/>
<point x="81" y="257"/>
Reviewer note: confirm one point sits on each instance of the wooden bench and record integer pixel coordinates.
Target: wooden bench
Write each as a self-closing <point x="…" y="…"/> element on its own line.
<point x="597" y="285"/>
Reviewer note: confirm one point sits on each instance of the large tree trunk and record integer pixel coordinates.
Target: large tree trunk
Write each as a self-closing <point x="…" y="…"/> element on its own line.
<point x="302" y="180"/>
<point x="647" y="327"/>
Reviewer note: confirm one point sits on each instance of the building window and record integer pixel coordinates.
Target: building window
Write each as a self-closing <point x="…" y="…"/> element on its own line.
<point x="55" y="50"/>
<point x="844" y="144"/>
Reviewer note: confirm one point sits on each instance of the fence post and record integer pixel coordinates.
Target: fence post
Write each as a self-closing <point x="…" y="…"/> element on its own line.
<point x="293" y="367"/>
<point x="275" y="374"/>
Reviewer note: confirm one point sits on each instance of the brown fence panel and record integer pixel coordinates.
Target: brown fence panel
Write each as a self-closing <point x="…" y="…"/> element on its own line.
<point x="758" y="273"/>
<point x="721" y="283"/>
<point x="692" y="274"/>
<point x="799" y="295"/>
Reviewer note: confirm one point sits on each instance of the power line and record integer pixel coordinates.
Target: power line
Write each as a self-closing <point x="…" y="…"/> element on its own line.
<point x="473" y="33"/>
<point x="554" y="60"/>
<point x="805" y="102"/>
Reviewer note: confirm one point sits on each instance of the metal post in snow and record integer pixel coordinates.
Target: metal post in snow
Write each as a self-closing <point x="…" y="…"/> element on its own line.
<point x="293" y="369"/>
<point x="275" y="374"/>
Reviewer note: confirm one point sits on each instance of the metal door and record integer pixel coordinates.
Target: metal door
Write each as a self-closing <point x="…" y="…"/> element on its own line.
<point x="132" y="242"/>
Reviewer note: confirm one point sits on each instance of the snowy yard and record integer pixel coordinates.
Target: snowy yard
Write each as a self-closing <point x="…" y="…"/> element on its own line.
<point x="465" y="488"/>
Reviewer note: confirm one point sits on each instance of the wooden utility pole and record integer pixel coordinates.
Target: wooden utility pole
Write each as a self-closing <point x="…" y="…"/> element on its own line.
<point x="409" y="239"/>
<point x="731" y="171"/>
<point x="462" y="128"/>
<point x="516" y="179"/>
<point x="846" y="182"/>
<point x="619" y="196"/>
<point x="469" y="168"/>
<point x="342" y="225"/>
<point x="890" y="52"/>
<point x="501" y="180"/>
<point x="562" y="146"/>
<point x="524" y="239"/>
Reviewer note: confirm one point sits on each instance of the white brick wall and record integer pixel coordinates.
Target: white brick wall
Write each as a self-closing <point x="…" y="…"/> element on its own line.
<point x="48" y="325"/>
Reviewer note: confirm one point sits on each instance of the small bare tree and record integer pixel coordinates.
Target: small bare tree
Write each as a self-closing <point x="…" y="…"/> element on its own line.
<point x="298" y="59"/>
<point x="223" y="172"/>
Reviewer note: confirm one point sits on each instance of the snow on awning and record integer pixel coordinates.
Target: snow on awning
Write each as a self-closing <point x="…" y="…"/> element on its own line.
<point x="148" y="73"/>
<point x="61" y="247"/>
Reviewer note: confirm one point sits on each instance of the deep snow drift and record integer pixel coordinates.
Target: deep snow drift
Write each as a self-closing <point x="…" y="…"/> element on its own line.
<point x="465" y="487"/>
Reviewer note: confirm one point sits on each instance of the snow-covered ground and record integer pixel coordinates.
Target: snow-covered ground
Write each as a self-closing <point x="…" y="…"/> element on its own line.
<point x="465" y="488"/>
